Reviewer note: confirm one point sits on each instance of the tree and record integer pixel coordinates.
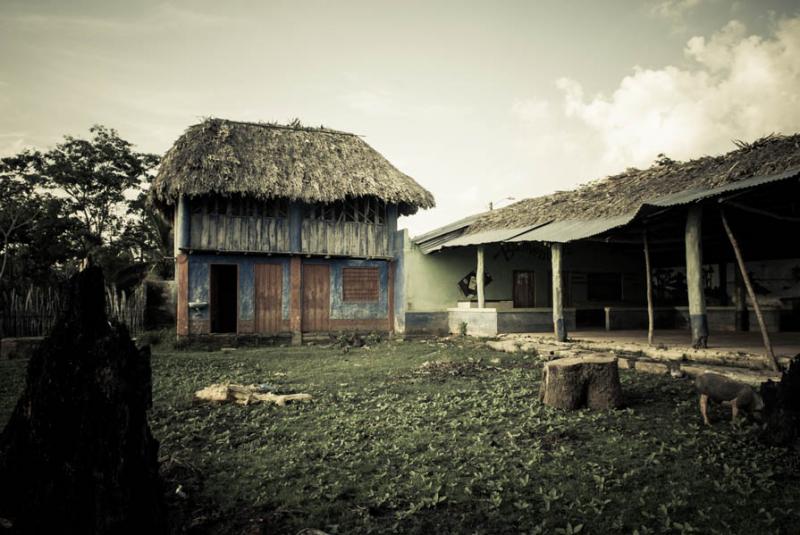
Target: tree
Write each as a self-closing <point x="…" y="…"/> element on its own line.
<point x="22" y="202"/>
<point x="85" y="197"/>
<point x="96" y="174"/>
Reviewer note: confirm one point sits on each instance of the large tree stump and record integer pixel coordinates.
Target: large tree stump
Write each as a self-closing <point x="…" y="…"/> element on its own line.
<point x="77" y="455"/>
<point x="577" y="382"/>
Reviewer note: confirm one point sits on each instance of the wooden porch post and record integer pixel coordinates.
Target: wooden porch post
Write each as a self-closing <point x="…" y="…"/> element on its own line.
<point x="479" y="278"/>
<point x="740" y="296"/>
<point x="296" y="299"/>
<point x="556" y="253"/>
<point x="694" y="277"/>
<point x="773" y="362"/>
<point x="649" y="275"/>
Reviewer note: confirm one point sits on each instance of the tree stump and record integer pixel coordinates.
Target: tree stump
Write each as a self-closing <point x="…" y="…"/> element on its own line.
<point x="577" y="382"/>
<point x="77" y="455"/>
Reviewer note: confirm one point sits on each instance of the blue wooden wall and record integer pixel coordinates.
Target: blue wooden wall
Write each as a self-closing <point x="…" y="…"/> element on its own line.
<point x="199" y="282"/>
<point x="199" y="285"/>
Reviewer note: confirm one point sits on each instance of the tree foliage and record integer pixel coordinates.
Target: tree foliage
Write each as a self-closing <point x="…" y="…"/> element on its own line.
<point x="84" y="197"/>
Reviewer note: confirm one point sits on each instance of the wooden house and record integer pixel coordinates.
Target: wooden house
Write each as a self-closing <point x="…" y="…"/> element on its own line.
<point x="283" y="229"/>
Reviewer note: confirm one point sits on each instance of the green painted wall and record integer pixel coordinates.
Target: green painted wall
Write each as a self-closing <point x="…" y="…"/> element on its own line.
<point x="431" y="281"/>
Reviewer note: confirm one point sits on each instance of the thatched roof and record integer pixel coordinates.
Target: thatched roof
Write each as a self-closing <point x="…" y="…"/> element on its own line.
<point x="267" y="160"/>
<point x="626" y="192"/>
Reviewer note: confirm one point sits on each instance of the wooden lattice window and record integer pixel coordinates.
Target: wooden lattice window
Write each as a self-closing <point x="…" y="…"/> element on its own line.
<point x="358" y="210"/>
<point x="360" y="285"/>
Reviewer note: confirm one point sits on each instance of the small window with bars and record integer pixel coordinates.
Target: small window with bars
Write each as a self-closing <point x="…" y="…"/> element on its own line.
<point x="360" y="285"/>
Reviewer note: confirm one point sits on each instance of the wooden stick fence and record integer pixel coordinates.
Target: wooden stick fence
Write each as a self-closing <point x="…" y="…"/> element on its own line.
<point x="33" y="312"/>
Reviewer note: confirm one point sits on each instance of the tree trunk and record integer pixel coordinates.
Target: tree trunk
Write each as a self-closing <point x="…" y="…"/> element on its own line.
<point x="578" y="382"/>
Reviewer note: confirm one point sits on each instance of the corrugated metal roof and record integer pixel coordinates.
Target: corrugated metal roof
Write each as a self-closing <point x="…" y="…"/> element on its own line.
<point x="433" y="240"/>
<point x="573" y="229"/>
<point x="568" y="230"/>
<point x="489" y="236"/>
<point x="693" y="195"/>
<point x="434" y="244"/>
<point x="446" y="229"/>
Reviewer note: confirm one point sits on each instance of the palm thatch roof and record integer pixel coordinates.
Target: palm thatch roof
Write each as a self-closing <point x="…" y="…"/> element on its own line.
<point x="624" y="193"/>
<point x="266" y="160"/>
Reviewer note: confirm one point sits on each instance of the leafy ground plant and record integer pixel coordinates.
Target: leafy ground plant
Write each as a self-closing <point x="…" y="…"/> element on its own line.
<point x="440" y="436"/>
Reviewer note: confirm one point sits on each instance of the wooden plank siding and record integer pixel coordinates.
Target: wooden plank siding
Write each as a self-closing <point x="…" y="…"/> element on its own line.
<point x="211" y="232"/>
<point x="347" y="238"/>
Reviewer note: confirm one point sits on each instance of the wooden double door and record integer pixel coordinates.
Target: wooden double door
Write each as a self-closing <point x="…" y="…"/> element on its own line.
<point x="316" y="298"/>
<point x="268" y="302"/>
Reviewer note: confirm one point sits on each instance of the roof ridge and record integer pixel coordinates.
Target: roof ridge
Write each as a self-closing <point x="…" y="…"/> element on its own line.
<point x="267" y="124"/>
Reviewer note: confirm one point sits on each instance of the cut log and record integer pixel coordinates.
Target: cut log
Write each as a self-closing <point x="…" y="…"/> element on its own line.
<point x="245" y="395"/>
<point x="575" y="383"/>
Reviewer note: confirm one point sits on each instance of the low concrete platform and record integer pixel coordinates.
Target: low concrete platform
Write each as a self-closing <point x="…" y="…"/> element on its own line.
<point x="785" y="344"/>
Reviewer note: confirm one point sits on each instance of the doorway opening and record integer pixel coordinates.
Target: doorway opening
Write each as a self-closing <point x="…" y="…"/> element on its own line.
<point x="224" y="297"/>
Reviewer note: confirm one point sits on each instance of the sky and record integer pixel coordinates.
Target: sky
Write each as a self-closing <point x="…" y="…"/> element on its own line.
<point x="478" y="101"/>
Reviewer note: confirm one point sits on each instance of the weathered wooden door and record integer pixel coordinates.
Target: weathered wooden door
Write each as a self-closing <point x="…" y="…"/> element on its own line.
<point x="316" y="297"/>
<point x="524" y="290"/>
<point x="268" y="299"/>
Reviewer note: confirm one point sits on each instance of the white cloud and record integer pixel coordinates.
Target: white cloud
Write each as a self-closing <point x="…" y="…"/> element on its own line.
<point x="741" y="87"/>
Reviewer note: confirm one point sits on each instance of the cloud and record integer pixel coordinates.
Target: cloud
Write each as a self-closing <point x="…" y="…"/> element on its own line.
<point x="673" y="9"/>
<point x="740" y="87"/>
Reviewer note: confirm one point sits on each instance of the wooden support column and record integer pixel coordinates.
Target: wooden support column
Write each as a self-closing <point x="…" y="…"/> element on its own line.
<point x="181" y="230"/>
<point x="772" y="361"/>
<point x="649" y="276"/>
<point x="295" y="226"/>
<point x="479" y="278"/>
<point x="182" y="278"/>
<point x="390" y="289"/>
<point x="296" y="299"/>
<point x="560" y="329"/>
<point x="391" y="227"/>
<point x="694" y="277"/>
<point x="740" y="297"/>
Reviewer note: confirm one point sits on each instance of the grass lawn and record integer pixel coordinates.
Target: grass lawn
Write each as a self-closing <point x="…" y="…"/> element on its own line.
<point x="389" y="445"/>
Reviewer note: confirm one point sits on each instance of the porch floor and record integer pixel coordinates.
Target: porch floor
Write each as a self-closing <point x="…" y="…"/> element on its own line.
<point x="785" y="344"/>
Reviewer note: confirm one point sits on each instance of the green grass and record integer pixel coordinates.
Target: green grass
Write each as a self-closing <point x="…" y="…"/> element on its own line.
<point x="465" y="447"/>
